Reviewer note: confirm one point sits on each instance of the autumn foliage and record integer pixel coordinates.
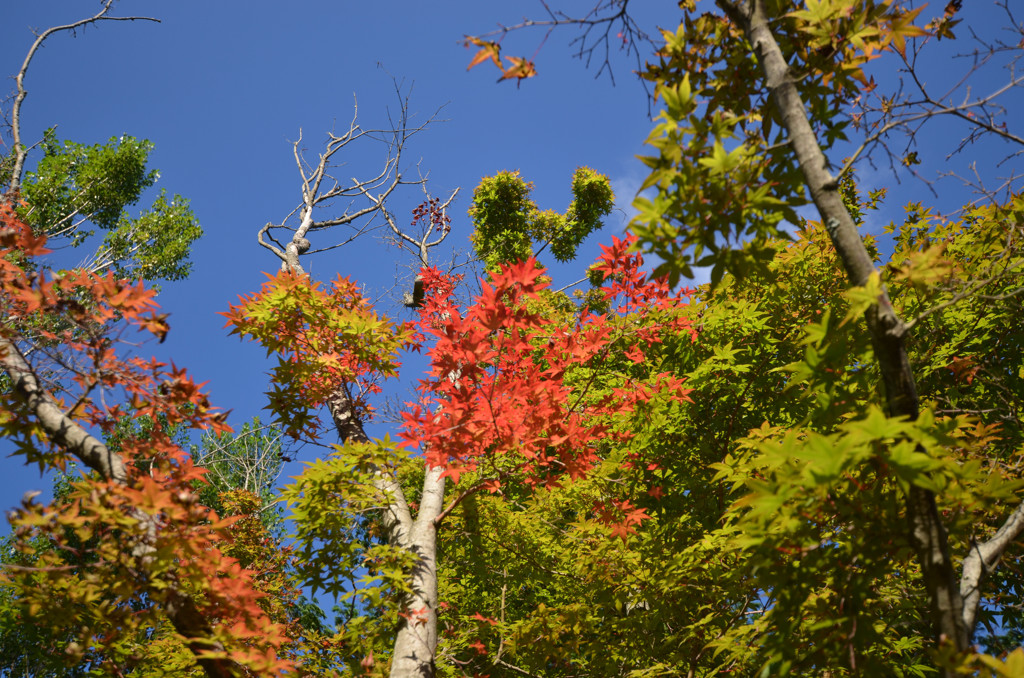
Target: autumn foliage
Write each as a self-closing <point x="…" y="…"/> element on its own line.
<point x="809" y="466"/>
<point x="129" y="550"/>
<point x="322" y="338"/>
<point x="514" y="391"/>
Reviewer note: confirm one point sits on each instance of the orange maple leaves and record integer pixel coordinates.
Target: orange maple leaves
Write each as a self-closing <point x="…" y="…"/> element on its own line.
<point x="323" y="338"/>
<point x="519" y="68"/>
<point x="144" y="546"/>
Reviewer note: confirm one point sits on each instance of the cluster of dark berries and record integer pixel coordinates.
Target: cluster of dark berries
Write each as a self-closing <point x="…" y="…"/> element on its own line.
<point x="430" y="211"/>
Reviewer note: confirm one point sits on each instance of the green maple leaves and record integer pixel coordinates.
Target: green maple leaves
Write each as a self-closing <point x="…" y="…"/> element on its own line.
<point x="323" y="338"/>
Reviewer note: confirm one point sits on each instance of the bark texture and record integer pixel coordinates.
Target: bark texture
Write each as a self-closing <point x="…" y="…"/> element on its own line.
<point x="416" y="641"/>
<point x="982" y="559"/>
<point x="63" y="431"/>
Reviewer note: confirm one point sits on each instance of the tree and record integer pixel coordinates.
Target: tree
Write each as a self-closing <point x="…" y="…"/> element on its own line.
<point x="100" y="555"/>
<point x="771" y="474"/>
<point x="249" y="461"/>
<point x="333" y="350"/>
<point x="76" y="186"/>
<point x="151" y="547"/>
<point x="754" y="98"/>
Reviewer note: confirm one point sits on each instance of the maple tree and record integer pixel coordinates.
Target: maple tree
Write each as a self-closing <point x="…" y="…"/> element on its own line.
<point x="143" y="535"/>
<point x="754" y="98"/>
<point x="783" y="471"/>
<point x="517" y="394"/>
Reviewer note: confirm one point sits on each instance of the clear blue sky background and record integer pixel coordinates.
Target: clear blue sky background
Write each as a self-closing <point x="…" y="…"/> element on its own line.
<point x="222" y="88"/>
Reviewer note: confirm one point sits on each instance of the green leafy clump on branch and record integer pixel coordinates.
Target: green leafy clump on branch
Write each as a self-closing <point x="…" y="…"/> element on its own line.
<point x="74" y="181"/>
<point x="507" y="222"/>
<point x="78" y="188"/>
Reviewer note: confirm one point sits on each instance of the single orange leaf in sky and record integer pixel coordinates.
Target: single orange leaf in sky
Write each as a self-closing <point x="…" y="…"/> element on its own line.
<point x="488" y="50"/>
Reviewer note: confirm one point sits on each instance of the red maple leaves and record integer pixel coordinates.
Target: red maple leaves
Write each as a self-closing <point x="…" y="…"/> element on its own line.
<point x="516" y="390"/>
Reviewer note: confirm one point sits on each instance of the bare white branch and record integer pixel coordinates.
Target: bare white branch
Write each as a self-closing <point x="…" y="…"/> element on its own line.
<point x="982" y="559"/>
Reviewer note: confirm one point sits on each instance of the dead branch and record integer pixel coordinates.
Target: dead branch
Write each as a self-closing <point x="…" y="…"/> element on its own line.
<point x="607" y="20"/>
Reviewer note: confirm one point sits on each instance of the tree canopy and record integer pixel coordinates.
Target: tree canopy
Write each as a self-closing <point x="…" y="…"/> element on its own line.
<point x="809" y="465"/>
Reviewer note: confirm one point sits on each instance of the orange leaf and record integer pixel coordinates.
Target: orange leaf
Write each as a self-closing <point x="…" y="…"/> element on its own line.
<point x="902" y="27"/>
<point x="489" y="50"/>
<point x="521" y="68"/>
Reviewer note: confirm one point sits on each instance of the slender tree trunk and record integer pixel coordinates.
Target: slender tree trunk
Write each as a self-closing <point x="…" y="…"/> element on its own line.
<point x="416" y="641"/>
<point x="927" y="533"/>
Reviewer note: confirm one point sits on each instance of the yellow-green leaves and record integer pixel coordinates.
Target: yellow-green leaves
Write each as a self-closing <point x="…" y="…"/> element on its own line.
<point x="507" y="222"/>
<point x="338" y="532"/>
<point x="712" y="152"/>
<point x="863" y="298"/>
<point x="323" y="338"/>
<point x="678" y="98"/>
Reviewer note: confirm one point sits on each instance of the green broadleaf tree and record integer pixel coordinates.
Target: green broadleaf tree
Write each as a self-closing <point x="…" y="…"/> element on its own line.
<point x="76" y="189"/>
<point x="873" y="513"/>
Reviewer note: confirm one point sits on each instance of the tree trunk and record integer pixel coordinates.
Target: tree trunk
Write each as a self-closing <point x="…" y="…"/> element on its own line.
<point x="416" y="641"/>
<point x="926" y="531"/>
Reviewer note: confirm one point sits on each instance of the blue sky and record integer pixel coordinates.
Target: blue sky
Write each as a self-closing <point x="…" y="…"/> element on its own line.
<point x="222" y="89"/>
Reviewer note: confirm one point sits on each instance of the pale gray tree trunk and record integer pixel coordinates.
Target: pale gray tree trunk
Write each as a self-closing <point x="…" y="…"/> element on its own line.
<point x="416" y="642"/>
